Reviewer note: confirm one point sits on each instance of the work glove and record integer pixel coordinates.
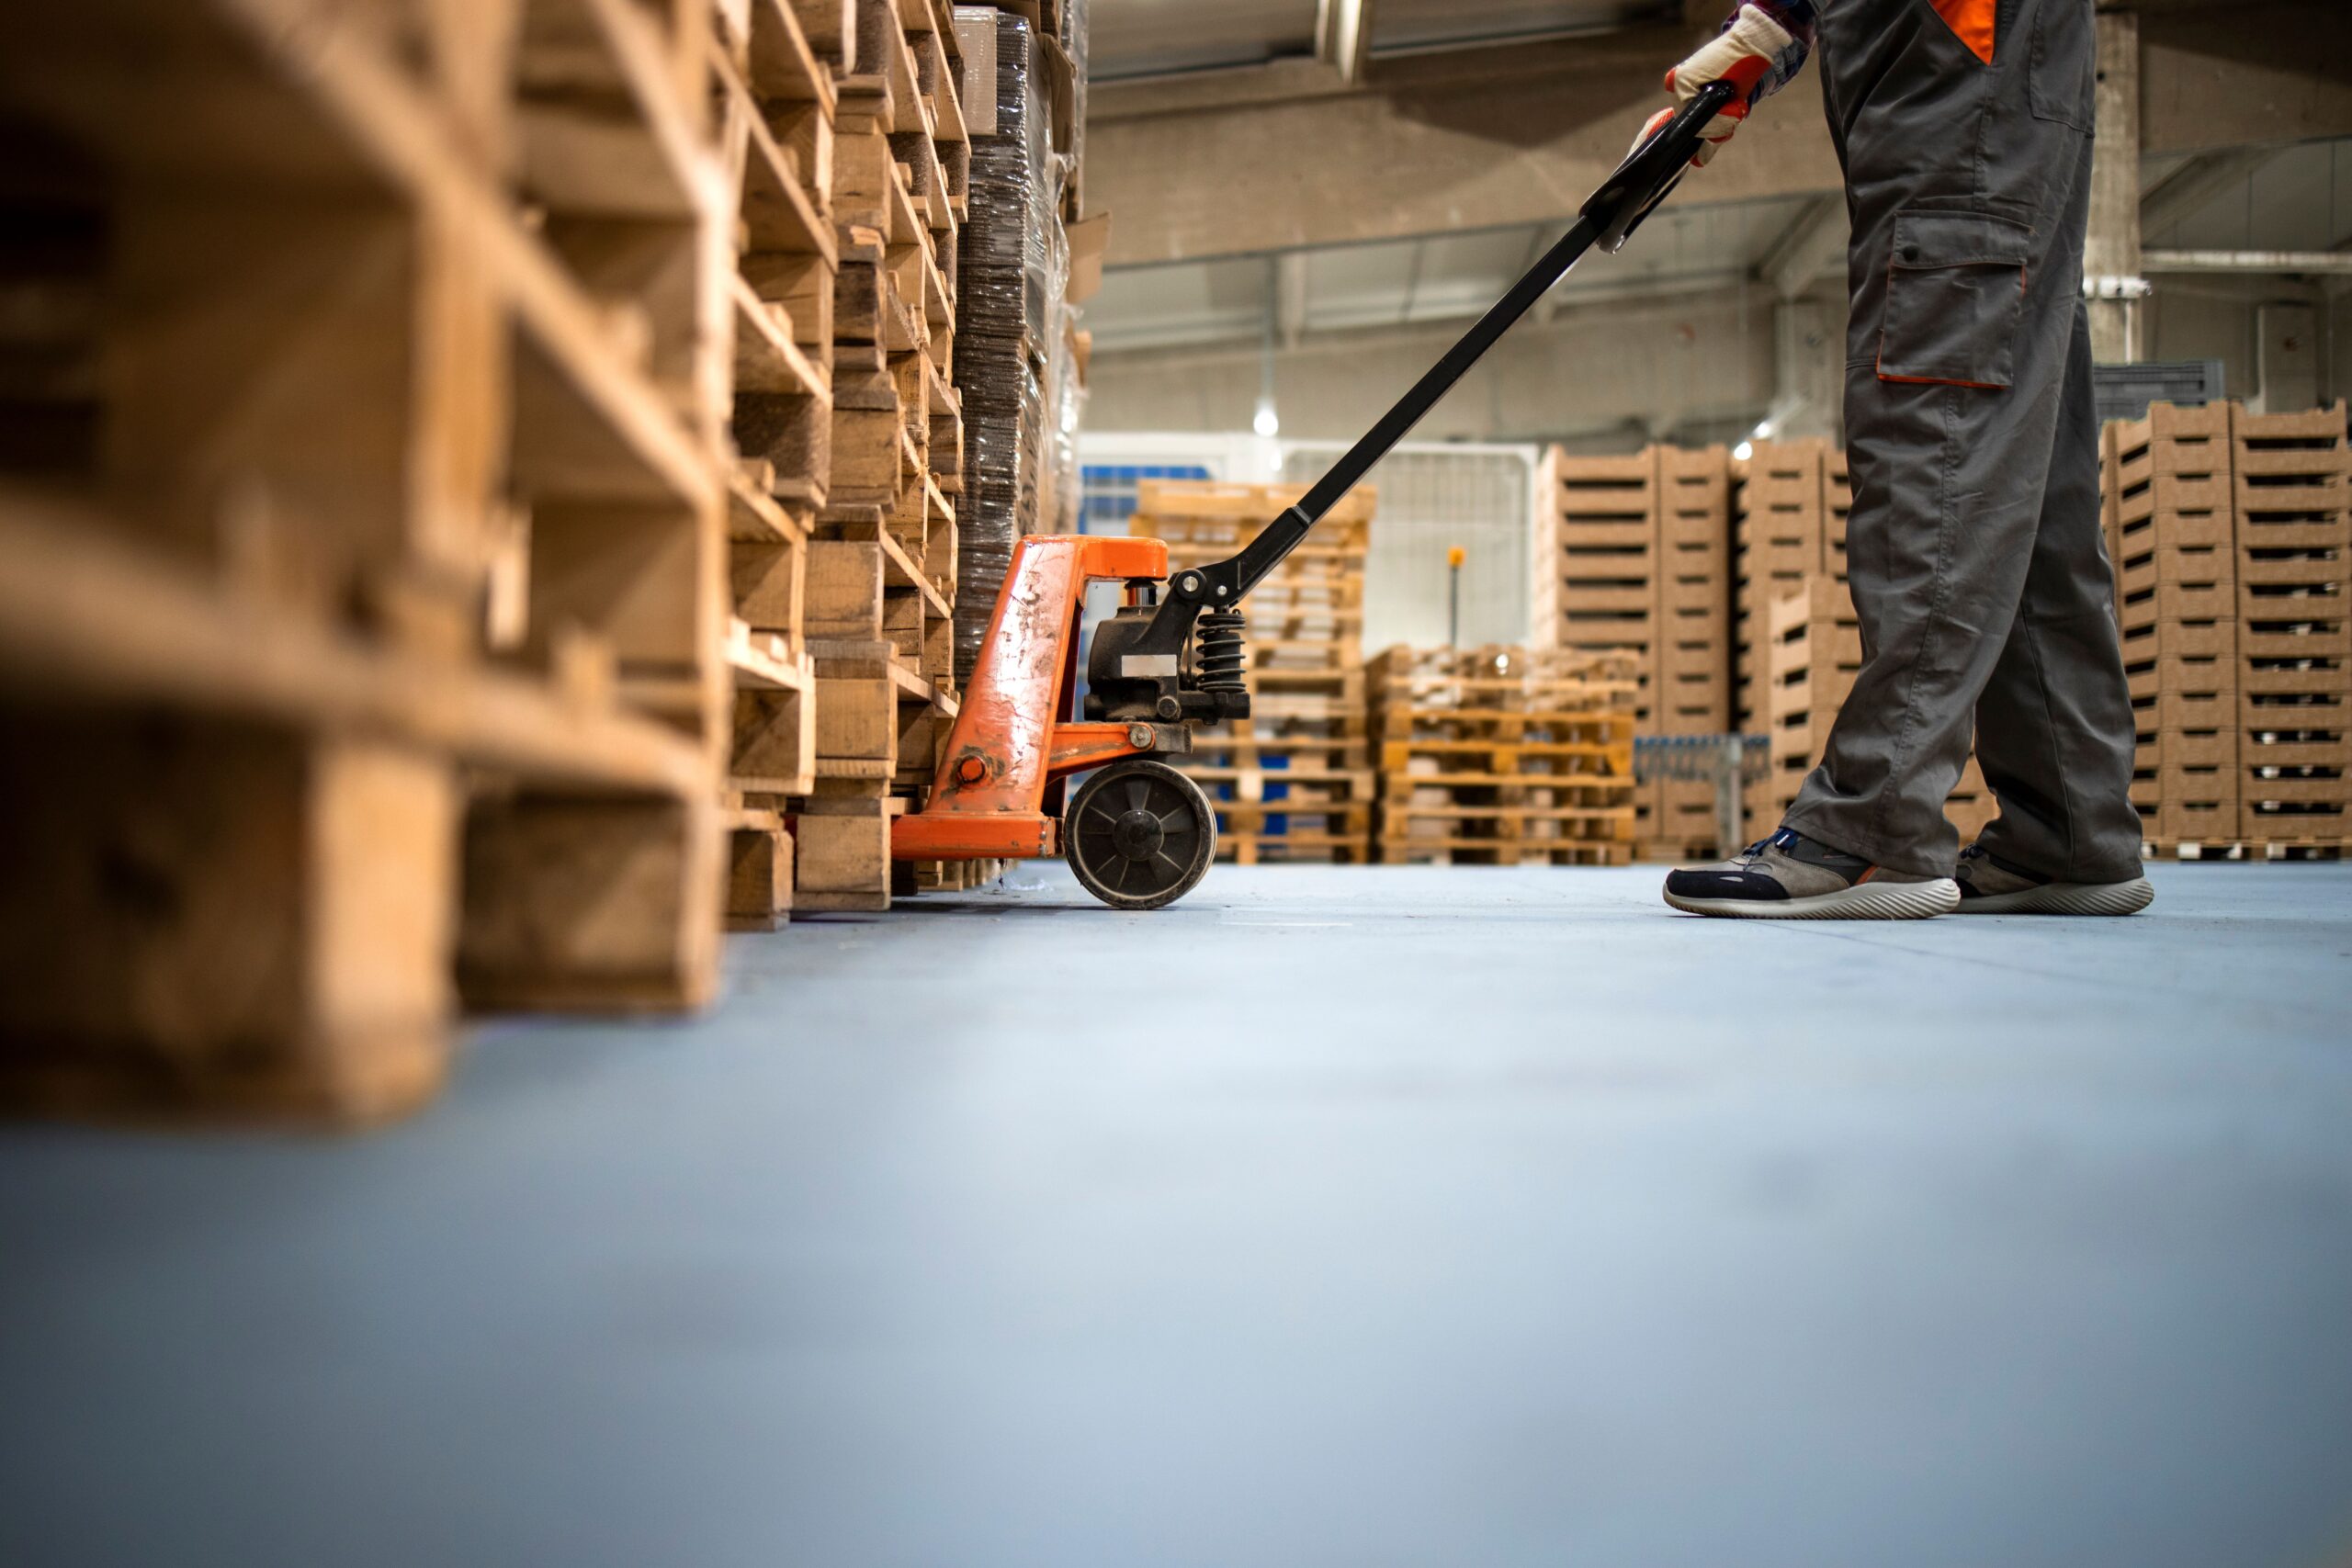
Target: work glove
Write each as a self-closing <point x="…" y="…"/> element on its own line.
<point x="1761" y="50"/>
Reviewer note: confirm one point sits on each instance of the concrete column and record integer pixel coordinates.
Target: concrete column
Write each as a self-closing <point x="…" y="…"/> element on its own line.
<point x="2111" y="259"/>
<point x="1808" y="371"/>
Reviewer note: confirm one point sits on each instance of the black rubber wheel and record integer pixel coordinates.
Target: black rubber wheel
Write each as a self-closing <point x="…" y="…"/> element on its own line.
<point x="1139" y="834"/>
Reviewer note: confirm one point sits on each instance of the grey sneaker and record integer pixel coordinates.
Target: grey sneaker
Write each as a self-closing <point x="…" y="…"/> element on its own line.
<point x="1791" y="877"/>
<point x="1989" y="886"/>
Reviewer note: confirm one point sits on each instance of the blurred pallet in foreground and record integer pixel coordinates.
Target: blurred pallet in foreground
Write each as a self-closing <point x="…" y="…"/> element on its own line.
<point x="1499" y="756"/>
<point x="362" y="625"/>
<point x="1294" y="781"/>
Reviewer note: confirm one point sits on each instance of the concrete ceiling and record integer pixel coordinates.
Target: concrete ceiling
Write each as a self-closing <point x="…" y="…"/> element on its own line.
<point x="2292" y="198"/>
<point x="1129" y="39"/>
<point x="1436" y="278"/>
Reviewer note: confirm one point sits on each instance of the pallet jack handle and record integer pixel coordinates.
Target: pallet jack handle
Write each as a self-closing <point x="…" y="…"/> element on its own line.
<point x="1640" y="185"/>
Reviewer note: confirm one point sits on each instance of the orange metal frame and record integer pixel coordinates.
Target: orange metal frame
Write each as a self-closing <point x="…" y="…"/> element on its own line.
<point x="1013" y="737"/>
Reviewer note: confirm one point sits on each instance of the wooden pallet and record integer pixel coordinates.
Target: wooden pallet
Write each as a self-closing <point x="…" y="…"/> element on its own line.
<point x="2247" y="848"/>
<point x="1473" y="850"/>
<point x="1305" y="740"/>
<point x="401" y="573"/>
<point x="1501" y="756"/>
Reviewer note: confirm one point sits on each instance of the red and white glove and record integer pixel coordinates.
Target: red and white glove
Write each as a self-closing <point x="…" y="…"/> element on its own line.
<point x="1755" y="52"/>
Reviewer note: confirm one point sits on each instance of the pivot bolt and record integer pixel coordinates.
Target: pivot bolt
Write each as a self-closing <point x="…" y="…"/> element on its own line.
<point x="1140" y="736"/>
<point x="1190" y="585"/>
<point x="1170" y="709"/>
<point x="971" y="771"/>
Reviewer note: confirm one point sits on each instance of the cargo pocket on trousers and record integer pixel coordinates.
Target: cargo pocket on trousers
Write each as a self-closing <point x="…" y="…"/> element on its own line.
<point x="2064" y="64"/>
<point x="1955" y="300"/>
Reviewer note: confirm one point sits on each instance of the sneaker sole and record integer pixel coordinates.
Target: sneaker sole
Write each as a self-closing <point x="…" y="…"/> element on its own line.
<point x="1871" y="901"/>
<point x="2067" y="899"/>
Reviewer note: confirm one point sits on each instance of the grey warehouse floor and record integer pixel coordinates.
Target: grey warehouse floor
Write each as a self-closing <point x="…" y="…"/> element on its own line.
<point x="1346" y="1218"/>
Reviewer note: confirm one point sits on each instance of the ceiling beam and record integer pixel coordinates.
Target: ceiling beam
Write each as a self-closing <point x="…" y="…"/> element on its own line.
<point x="1290" y="298"/>
<point x="1238" y="163"/>
<point x="1814" y="244"/>
<point x="2200" y="180"/>
<point x="2285" y="263"/>
<point x="1630" y="293"/>
<point x="1449" y="70"/>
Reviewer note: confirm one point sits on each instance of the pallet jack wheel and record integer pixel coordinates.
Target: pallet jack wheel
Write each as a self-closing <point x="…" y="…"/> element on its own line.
<point x="1139" y="835"/>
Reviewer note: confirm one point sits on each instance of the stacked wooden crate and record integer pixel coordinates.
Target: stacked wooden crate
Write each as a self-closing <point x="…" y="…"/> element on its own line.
<point x="1294" y="781"/>
<point x="373" y="518"/>
<point x="1594" y="583"/>
<point x="1634" y="554"/>
<point x="2293" y="564"/>
<point x="1504" y="756"/>
<point x="1789" y="499"/>
<point x="1692" y="687"/>
<point x="2176" y="602"/>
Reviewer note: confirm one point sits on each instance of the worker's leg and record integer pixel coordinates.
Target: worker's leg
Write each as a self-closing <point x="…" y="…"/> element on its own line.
<point x="1969" y="185"/>
<point x="2053" y="727"/>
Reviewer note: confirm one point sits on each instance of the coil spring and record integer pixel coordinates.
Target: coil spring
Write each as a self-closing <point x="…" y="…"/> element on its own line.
<point x="1222" y="655"/>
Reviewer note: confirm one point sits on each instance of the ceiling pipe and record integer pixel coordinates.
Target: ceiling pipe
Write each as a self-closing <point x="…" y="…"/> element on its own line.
<point x="2323" y="263"/>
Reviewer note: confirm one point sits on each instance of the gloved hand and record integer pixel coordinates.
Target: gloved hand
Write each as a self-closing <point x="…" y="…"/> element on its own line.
<point x="1761" y="50"/>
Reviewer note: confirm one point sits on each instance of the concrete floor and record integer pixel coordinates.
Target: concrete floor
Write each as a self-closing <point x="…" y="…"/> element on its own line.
<point x="1333" y="1218"/>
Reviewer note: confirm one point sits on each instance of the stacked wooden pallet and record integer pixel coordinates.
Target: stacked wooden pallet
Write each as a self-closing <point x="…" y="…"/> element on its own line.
<point x="1503" y="756"/>
<point x="1634" y="554"/>
<point x="2175" y="560"/>
<point x="773" y="109"/>
<point x="845" y="133"/>
<point x="1294" y="781"/>
<point x="886" y="685"/>
<point x="378" y="531"/>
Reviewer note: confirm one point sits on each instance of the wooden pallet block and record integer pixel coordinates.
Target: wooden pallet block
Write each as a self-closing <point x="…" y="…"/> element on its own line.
<point x="759" y="868"/>
<point x="275" y="946"/>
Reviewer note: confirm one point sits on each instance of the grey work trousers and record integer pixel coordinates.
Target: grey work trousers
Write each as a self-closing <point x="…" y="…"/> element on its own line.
<point x="1978" y="570"/>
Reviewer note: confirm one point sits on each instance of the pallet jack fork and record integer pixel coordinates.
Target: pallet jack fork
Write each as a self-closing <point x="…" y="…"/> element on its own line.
<point x="1139" y="834"/>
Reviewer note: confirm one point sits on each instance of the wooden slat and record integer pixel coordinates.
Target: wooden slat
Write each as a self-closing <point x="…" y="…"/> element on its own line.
<point x="81" y="614"/>
<point x="766" y="359"/>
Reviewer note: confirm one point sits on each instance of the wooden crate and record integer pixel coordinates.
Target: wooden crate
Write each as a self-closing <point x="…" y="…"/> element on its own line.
<point x="1635" y="554"/>
<point x="2293" y="495"/>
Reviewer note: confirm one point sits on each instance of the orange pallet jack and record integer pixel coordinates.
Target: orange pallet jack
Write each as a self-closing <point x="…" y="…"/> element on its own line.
<point x="1139" y="834"/>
